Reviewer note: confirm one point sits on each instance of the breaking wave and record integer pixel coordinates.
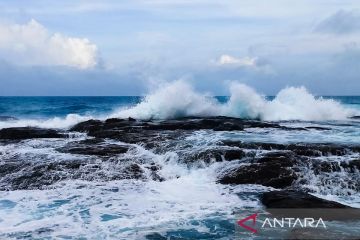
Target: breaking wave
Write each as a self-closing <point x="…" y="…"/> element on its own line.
<point x="179" y="99"/>
<point x="56" y="122"/>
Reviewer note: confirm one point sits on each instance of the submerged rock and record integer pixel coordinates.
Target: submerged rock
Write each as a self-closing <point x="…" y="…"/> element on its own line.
<point x="28" y="133"/>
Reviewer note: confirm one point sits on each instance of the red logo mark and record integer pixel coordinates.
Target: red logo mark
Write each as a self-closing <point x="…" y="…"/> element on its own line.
<point x="251" y="217"/>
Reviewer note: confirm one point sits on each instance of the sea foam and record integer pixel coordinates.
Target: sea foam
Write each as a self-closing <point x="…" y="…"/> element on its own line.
<point x="179" y="99"/>
<point x="56" y="122"/>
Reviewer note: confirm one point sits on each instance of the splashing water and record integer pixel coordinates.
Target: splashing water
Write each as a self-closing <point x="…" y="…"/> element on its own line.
<point x="179" y="99"/>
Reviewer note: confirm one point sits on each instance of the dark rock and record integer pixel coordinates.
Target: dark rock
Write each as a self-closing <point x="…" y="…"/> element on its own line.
<point x="233" y="154"/>
<point x="190" y="123"/>
<point x="133" y="171"/>
<point x="116" y="124"/>
<point x="207" y="156"/>
<point x="114" y="120"/>
<point x="229" y="126"/>
<point x="11" y="167"/>
<point x="42" y="175"/>
<point x="28" y="133"/>
<point x="145" y="132"/>
<point x="94" y="147"/>
<point x="32" y="177"/>
<point x="218" y="155"/>
<point x="261" y="124"/>
<point x="196" y="124"/>
<point x="296" y="199"/>
<point x="326" y="166"/>
<point x="318" y="128"/>
<point x="352" y="166"/>
<point x="274" y="170"/>
<point x="114" y="134"/>
<point x="256" y="174"/>
<point x="302" y="149"/>
<point x="87" y="126"/>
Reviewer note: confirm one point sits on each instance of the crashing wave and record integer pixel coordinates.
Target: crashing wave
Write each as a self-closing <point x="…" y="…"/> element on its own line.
<point x="179" y="99"/>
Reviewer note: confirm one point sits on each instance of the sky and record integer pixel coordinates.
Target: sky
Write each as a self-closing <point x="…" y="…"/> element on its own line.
<point x="115" y="47"/>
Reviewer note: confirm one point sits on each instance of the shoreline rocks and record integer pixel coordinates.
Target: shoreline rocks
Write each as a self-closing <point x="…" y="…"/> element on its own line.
<point x="272" y="170"/>
<point x="19" y="133"/>
<point x="281" y="166"/>
<point x="94" y="147"/>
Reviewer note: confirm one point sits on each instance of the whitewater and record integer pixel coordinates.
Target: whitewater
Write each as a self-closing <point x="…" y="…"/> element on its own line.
<point x="179" y="99"/>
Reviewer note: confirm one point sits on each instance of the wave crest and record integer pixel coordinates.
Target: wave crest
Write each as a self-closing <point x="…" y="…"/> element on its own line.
<point x="179" y="99"/>
<point x="173" y="100"/>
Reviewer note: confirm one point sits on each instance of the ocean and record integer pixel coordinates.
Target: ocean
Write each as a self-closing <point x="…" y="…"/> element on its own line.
<point x="43" y="196"/>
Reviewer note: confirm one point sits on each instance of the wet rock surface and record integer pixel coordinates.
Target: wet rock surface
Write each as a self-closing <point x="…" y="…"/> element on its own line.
<point x="104" y="154"/>
<point x="132" y="131"/>
<point x="18" y="175"/>
<point x="94" y="147"/>
<point x="294" y="165"/>
<point x="28" y="133"/>
<point x="273" y="170"/>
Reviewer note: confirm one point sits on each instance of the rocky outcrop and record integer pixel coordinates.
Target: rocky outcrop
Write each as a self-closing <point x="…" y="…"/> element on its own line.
<point x="98" y="158"/>
<point x="137" y="129"/>
<point x="19" y="133"/>
<point x="291" y="165"/>
<point x="94" y="147"/>
<point x="273" y="170"/>
<point x="215" y="155"/>
<point x="15" y="175"/>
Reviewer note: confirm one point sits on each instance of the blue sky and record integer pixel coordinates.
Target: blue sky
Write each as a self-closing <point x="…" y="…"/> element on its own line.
<point x="128" y="47"/>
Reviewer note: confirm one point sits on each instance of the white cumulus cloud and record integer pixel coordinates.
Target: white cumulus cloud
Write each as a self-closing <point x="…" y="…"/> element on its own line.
<point x="33" y="44"/>
<point x="227" y="60"/>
